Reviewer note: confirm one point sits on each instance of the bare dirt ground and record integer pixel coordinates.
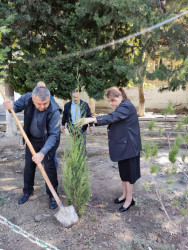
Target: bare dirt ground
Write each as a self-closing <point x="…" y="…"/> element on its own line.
<point x="144" y="226"/>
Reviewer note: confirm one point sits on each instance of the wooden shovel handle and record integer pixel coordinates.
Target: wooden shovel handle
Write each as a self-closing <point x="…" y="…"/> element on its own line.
<point x="33" y="153"/>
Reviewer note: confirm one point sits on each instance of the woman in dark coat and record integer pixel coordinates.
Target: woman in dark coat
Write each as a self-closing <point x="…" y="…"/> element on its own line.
<point x="124" y="141"/>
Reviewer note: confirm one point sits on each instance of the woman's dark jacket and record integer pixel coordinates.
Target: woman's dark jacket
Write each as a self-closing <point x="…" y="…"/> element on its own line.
<point x="84" y="112"/>
<point x="50" y="126"/>
<point x="123" y="131"/>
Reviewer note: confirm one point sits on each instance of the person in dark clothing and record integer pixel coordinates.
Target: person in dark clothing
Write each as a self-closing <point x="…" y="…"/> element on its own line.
<point x="43" y="84"/>
<point x="73" y="111"/>
<point x="124" y="141"/>
<point x="42" y="126"/>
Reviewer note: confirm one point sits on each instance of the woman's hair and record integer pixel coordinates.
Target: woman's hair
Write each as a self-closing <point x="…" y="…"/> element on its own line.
<point x="113" y="92"/>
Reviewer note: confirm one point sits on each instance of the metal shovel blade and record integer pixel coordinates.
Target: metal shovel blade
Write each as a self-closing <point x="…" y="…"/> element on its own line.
<point x="69" y="218"/>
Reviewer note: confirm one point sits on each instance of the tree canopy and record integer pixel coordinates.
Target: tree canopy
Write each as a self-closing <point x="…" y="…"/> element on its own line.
<point x="43" y="32"/>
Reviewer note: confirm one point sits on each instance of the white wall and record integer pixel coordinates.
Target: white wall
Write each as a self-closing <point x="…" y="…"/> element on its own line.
<point x="16" y="95"/>
<point x="153" y="98"/>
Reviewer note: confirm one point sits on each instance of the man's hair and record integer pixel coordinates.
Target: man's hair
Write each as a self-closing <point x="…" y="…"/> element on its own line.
<point x="41" y="92"/>
<point x="75" y="91"/>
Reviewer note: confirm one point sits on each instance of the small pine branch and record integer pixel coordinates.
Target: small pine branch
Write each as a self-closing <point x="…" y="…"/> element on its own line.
<point x="175" y="203"/>
<point x="186" y="138"/>
<point x="183" y="212"/>
<point x="151" y="125"/>
<point x="149" y="149"/>
<point x="169" y="109"/>
<point x="179" y="126"/>
<point x="147" y="186"/>
<point x="170" y="180"/>
<point x="185" y="121"/>
<point x="173" y="153"/>
<point x="154" y="168"/>
<point x="160" y="131"/>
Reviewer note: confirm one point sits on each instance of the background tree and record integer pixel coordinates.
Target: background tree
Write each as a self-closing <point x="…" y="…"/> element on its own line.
<point x="61" y="29"/>
<point x="6" y="44"/>
<point x="48" y="31"/>
<point x="168" y="42"/>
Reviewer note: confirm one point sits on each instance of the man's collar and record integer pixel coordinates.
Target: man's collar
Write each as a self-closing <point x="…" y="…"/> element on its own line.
<point x="75" y="103"/>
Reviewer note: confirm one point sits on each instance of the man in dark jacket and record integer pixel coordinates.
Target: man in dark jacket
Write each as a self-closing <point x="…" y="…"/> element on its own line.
<point x="43" y="84"/>
<point x="75" y="110"/>
<point x="42" y="126"/>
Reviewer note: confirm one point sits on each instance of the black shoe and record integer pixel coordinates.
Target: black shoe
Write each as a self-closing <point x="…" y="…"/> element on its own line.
<point x="53" y="203"/>
<point x="123" y="209"/>
<point x="23" y="199"/>
<point x="117" y="201"/>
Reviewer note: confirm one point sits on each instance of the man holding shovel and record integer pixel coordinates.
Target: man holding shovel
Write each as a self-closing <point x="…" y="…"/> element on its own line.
<point x="42" y="84"/>
<point x="42" y="126"/>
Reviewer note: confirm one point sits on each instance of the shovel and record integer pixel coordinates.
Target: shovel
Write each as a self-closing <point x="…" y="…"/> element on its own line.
<point x="67" y="216"/>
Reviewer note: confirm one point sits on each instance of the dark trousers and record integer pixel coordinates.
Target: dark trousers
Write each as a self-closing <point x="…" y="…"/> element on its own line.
<point x="30" y="167"/>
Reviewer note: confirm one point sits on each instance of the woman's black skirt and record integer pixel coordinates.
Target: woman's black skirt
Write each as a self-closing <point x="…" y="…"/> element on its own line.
<point x="129" y="169"/>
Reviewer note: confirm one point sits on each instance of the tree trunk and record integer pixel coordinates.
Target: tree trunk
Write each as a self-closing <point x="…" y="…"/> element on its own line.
<point x="11" y="127"/>
<point x="92" y="105"/>
<point x="141" y="110"/>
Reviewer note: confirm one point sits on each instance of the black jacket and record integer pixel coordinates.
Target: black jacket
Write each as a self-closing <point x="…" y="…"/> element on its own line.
<point x="50" y="129"/>
<point x="123" y="131"/>
<point x="84" y="112"/>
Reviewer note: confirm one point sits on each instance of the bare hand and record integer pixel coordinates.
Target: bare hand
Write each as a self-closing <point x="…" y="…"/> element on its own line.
<point x="83" y="121"/>
<point x="80" y="122"/>
<point x="63" y="129"/>
<point x="91" y="129"/>
<point x="8" y="104"/>
<point x="38" y="157"/>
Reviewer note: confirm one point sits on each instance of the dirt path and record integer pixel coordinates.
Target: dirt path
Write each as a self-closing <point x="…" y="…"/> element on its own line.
<point x="144" y="226"/>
